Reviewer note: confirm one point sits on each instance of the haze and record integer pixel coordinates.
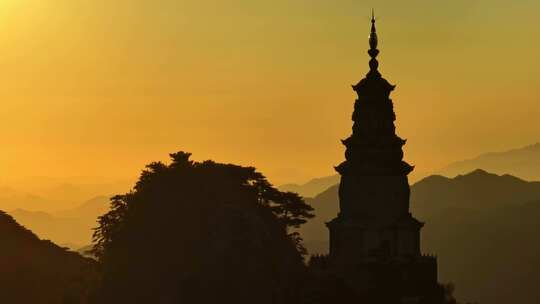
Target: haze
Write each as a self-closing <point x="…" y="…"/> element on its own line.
<point x="101" y="88"/>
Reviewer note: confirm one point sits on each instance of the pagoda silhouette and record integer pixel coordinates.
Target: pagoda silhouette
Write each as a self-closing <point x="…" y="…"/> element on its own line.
<point x="375" y="240"/>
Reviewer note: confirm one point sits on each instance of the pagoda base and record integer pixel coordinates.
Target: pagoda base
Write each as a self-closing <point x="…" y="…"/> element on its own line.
<point x="394" y="281"/>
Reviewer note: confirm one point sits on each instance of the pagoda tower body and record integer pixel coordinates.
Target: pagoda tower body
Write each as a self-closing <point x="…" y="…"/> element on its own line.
<point x="374" y="240"/>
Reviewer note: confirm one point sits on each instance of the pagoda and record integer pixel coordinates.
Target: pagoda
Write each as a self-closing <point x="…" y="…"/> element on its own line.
<point x="375" y="240"/>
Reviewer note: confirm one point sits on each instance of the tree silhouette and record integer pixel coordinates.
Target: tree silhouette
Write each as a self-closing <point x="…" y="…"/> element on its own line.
<point x="200" y="232"/>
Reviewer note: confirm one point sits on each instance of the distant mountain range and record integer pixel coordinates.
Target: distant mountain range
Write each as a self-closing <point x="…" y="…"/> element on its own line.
<point x="523" y="162"/>
<point x="55" y="194"/>
<point x="312" y="187"/>
<point x="51" y="207"/>
<point x="484" y="228"/>
<point x="71" y="228"/>
<point x="478" y="190"/>
<point x="12" y="199"/>
<point x="36" y="271"/>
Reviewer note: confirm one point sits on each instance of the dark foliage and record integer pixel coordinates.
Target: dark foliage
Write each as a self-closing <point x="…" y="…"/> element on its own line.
<point x="201" y="232"/>
<point x="35" y="271"/>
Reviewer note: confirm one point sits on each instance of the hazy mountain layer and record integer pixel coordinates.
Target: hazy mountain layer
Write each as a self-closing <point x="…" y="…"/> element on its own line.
<point x="52" y="195"/>
<point x="71" y="228"/>
<point x="482" y="226"/>
<point x="313" y="187"/>
<point x="523" y="162"/>
<point x="12" y="199"/>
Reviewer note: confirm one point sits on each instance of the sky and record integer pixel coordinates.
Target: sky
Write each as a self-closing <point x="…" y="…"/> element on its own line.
<point x="101" y="88"/>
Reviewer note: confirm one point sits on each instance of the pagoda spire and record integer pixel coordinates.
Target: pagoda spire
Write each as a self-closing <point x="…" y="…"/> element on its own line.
<point x="373" y="51"/>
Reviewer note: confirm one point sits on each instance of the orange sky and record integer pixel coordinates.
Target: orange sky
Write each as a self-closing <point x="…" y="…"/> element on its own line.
<point x="94" y="88"/>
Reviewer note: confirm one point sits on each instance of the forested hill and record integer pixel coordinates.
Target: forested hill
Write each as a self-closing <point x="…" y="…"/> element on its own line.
<point x="37" y="271"/>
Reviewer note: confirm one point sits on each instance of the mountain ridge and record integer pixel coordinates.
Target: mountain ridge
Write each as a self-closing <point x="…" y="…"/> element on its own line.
<point x="311" y="187"/>
<point x="522" y="162"/>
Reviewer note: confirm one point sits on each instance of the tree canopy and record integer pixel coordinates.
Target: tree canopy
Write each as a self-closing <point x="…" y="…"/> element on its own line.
<point x="200" y="232"/>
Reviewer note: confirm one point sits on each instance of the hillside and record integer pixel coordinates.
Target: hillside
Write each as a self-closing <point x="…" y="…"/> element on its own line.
<point x="482" y="226"/>
<point x="522" y="162"/>
<point x="36" y="271"/>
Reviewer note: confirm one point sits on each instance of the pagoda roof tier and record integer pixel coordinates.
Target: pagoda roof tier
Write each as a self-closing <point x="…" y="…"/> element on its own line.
<point x="357" y="141"/>
<point x="373" y="86"/>
<point x="405" y="222"/>
<point x="368" y="168"/>
<point x="409" y="221"/>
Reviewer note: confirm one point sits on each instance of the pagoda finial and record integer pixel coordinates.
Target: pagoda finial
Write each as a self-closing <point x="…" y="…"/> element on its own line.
<point x="373" y="51"/>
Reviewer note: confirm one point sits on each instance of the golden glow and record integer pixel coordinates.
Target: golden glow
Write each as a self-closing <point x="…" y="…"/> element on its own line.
<point x="95" y="88"/>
